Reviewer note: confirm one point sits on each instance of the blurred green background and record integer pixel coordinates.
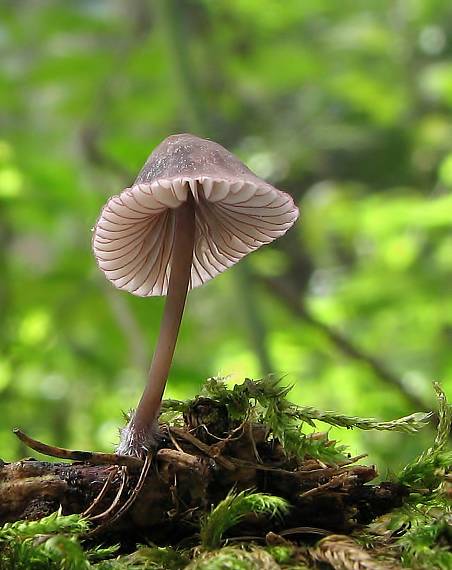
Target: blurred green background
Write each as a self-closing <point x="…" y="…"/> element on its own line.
<point x="346" y="105"/>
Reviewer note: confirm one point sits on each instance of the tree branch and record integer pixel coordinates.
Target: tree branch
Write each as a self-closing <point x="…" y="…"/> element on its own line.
<point x="289" y="298"/>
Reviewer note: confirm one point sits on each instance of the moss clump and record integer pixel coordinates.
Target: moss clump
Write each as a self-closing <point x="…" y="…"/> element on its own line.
<point x="417" y="535"/>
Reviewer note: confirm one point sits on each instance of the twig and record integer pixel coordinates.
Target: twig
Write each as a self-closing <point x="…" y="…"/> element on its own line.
<point x="353" y="459"/>
<point x="94" y="457"/>
<point x="253" y="443"/>
<point x="180" y="458"/>
<point x="333" y="482"/>
<point x="304" y="530"/>
<point x="98" y="458"/>
<point x="204" y="448"/>
<point x="262" y="467"/>
<point x="173" y="439"/>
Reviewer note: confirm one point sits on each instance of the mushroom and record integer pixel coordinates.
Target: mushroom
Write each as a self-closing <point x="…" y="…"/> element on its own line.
<point x="193" y="211"/>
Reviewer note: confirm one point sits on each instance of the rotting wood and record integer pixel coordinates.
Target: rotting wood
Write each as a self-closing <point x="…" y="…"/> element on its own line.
<point x="186" y="478"/>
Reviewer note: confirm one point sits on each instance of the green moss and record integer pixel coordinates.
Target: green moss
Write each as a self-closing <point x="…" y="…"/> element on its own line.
<point x="265" y="400"/>
<point x="418" y="534"/>
<point x="231" y="510"/>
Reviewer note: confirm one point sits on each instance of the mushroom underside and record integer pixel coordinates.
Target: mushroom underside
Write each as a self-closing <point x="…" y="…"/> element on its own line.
<point x="134" y="236"/>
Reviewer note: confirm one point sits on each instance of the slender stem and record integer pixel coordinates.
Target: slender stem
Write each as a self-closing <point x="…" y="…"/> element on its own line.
<point x="177" y="292"/>
<point x="139" y="433"/>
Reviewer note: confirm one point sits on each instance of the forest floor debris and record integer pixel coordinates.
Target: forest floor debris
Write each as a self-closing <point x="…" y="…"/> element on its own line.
<point x="236" y="483"/>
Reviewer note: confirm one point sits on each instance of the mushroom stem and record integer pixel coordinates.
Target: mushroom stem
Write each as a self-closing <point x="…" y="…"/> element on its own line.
<point x="138" y="436"/>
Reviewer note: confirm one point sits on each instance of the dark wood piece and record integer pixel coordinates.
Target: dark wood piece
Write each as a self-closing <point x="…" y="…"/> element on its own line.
<point x="187" y="477"/>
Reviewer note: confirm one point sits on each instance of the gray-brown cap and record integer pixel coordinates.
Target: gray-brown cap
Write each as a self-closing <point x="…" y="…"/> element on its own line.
<point x="236" y="213"/>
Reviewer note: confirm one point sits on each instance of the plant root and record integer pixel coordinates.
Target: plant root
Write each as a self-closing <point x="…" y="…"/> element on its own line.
<point x="106" y="487"/>
<point x="129" y="502"/>
<point x="104" y="514"/>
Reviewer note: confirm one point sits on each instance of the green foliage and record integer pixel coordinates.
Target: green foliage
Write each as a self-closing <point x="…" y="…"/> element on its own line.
<point x="148" y="558"/>
<point x="426" y="544"/>
<point x="56" y="553"/>
<point x="235" y="558"/>
<point x="424" y="532"/>
<point x="271" y="397"/>
<point x="295" y="89"/>
<point x="282" y="554"/>
<point x="233" y="509"/>
<point x="40" y="544"/>
<point x="427" y="471"/>
<point x="54" y="523"/>
<point x="266" y="400"/>
<point x="347" y="105"/>
<point x="48" y="543"/>
<point x="424" y="522"/>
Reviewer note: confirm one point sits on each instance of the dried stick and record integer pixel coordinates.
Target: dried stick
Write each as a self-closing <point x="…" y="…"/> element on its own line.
<point x="336" y="481"/>
<point x="94" y="457"/>
<point x="204" y="448"/>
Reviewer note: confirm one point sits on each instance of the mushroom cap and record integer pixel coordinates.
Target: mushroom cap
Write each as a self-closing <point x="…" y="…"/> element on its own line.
<point x="236" y="212"/>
